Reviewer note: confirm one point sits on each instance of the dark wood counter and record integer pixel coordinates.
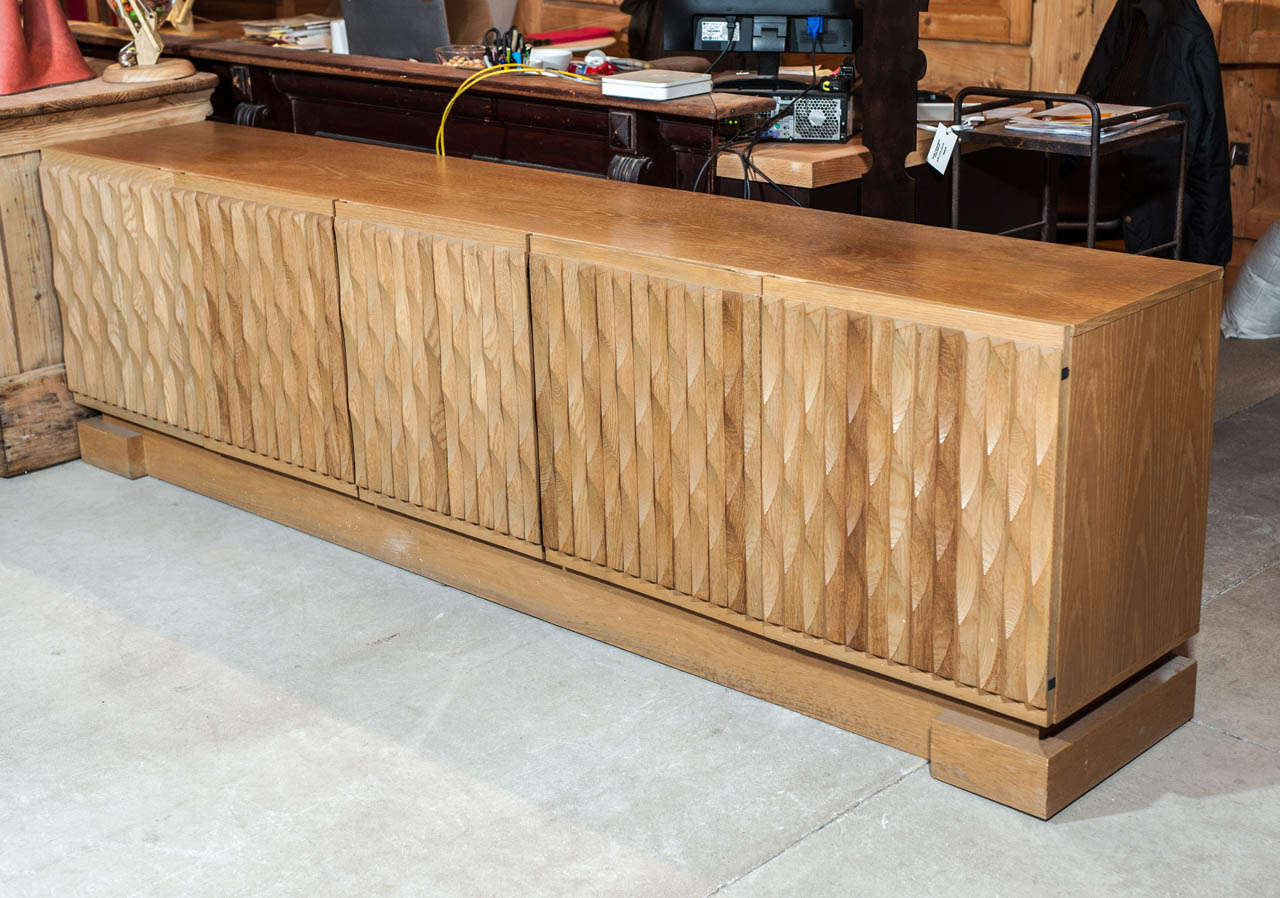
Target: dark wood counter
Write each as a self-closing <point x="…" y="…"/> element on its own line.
<point x="534" y="121"/>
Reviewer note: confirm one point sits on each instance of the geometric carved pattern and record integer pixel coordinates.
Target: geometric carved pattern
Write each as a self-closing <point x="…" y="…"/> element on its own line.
<point x="440" y="374"/>
<point x="214" y="315"/>
<point x="880" y="485"/>
<point x="645" y="426"/>
<point x="868" y="487"/>
<point x="909" y="481"/>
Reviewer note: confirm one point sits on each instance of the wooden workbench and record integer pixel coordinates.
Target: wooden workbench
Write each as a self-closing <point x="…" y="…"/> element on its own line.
<point x="37" y="417"/>
<point x="943" y="489"/>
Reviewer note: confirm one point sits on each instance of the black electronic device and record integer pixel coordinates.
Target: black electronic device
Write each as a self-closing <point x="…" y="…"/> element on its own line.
<point x="395" y="29"/>
<point x="765" y="27"/>
<point x="810" y="115"/>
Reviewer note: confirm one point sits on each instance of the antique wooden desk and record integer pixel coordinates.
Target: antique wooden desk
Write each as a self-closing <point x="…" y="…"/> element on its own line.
<point x="37" y="417"/>
<point x="943" y="489"/>
<point x="542" y="122"/>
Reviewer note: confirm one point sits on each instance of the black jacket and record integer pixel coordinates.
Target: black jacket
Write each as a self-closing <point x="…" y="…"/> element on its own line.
<point x="1161" y="51"/>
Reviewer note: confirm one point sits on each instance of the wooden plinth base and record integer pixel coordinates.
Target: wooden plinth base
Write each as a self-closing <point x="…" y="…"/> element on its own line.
<point x="37" y="421"/>
<point x="163" y="70"/>
<point x="1014" y="763"/>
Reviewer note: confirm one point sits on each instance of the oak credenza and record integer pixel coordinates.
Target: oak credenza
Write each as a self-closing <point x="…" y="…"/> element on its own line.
<point x="943" y="489"/>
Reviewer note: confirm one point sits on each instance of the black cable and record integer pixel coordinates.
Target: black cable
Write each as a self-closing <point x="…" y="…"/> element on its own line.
<point x="789" y="108"/>
<point x="730" y="23"/>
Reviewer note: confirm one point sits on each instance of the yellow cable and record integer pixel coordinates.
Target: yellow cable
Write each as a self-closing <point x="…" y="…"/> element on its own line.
<point x="489" y="72"/>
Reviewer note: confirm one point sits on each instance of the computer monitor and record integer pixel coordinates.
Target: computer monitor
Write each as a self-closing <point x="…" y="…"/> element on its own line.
<point x="767" y="27"/>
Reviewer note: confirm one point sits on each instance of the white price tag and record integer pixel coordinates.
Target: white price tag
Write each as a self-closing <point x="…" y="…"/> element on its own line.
<point x="944" y="144"/>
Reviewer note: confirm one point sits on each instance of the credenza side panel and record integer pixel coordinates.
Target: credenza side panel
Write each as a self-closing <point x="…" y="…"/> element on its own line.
<point x="214" y="315"/>
<point x="439" y="355"/>
<point x="1140" y="428"/>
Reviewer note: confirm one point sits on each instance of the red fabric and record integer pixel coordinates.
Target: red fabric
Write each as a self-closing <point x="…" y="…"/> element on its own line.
<point x="571" y="35"/>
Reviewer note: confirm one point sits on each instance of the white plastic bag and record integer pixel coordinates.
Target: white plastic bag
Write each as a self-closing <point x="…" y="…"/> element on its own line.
<point x="1252" y="311"/>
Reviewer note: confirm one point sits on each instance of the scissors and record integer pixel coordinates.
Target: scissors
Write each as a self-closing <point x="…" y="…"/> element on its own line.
<point x="501" y="48"/>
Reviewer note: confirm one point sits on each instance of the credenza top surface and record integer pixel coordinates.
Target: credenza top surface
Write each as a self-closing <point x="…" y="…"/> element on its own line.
<point x="999" y="276"/>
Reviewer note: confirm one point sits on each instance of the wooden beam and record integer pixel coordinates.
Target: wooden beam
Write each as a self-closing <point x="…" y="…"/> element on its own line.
<point x="113" y="446"/>
<point x="1043" y="776"/>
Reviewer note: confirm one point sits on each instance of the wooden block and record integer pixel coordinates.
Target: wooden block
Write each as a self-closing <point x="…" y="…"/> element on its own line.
<point x="1043" y="776"/>
<point x="110" y="445"/>
<point x="37" y="421"/>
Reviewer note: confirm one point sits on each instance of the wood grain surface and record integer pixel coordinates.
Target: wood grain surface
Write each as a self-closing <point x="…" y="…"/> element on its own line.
<point x="30" y="325"/>
<point x="241" y="52"/>
<point x="216" y="316"/>
<point x="96" y="92"/>
<point x="37" y="421"/>
<point x="1140" y="432"/>
<point x="440" y="370"/>
<point x="1002" y="508"/>
<point x="987" y="284"/>
<point x="864" y="491"/>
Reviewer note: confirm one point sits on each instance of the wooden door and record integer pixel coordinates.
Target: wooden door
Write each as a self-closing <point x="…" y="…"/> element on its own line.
<point x="866" y="487"/>
<point x="912" y="469"/>
<point x="436" y="316"/>
<point x="648" y="415"/>
<point x="212" y="315"/>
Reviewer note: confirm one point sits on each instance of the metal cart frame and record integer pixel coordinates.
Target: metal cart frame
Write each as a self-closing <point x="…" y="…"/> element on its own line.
<point x="1054" y="145"/>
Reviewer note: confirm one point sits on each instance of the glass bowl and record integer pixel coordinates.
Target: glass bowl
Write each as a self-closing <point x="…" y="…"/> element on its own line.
<point x="464" y="56"/>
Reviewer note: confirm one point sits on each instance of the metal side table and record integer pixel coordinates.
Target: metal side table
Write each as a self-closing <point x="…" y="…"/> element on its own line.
<point x="1094" y="146"/>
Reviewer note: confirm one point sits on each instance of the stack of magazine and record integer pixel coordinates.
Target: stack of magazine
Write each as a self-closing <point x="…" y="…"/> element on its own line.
<point x="305" y="32"/>
<point x="1073" y="120"/>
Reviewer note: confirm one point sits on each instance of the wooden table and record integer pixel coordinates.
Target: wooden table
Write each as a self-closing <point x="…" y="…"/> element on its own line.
<point x="814" y="165"/>
<point x="943" y="489"/>
<point x="527" y="120"/>
<point x="37" y="417"/>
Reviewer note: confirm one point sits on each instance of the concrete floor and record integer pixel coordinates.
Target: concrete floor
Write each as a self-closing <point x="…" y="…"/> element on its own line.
<point x="195" y="701"/>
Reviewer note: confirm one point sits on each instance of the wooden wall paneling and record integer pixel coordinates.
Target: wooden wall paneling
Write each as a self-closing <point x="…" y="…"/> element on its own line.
<point x="441" y="365"/>
<point x="1249" y="32"/>
<point x="996" y="21"/>
<point x="1266" y="199"/>
<point x="1249" y="93"/>
<point x="30" y="325"/>
<point x="181" y="299"/>
<point x="1136" y="481"/>
<point x="1064" y="33"/>
<point x="955" y="64"/>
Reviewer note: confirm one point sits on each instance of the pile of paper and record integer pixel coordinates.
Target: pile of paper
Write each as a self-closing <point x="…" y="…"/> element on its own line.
<point x="305" y="32"/>
<point x="1073" y="120"/>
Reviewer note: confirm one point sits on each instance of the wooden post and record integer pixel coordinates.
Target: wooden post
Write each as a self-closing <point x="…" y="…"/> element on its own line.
<point x="891" y="64"/>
